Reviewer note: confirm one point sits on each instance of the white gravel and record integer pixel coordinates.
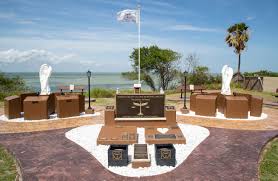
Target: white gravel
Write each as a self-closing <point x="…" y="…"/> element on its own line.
<point x="219" y="115"/>
<point x="52" y="117"/>
<point x="86" y="137"/>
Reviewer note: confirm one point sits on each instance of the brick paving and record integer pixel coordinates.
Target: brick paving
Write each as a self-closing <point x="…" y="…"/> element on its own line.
<point x="18" y="127"/>
<point x="226" y="154"/>
<point x="270" y="123"/>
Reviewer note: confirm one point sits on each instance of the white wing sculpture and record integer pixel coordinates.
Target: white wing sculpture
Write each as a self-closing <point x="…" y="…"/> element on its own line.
<point x="45" y="73"/>
<point x="227" y="75"/>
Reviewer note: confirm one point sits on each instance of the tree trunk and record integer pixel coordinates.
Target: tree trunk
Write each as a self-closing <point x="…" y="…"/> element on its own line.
<point x="238" y="68"/>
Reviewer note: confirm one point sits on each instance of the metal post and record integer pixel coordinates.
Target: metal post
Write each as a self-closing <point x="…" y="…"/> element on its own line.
<point x="139" y="42"/>
<point x="184" y="98"/>
<point x="89" y="87"/>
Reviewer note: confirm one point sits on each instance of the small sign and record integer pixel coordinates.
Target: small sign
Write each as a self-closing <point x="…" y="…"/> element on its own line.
<point x="191" y="87"/>
<point x="71" y="87"/>
<point x="137" y="85"/>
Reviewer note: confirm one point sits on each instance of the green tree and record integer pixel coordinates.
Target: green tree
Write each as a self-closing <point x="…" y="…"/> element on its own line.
<point x="11" y="86"/>
<point x="199" y="76"/>
<point x="238" y="37"/>
<point x="161" y="63"/>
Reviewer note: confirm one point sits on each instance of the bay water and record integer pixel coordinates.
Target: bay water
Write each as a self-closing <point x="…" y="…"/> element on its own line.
<point x="101" y="80"/>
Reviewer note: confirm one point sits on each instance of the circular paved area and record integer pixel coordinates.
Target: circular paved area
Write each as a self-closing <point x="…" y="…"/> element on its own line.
<point x="226" y="154"/>
<point x="270" y="123"/>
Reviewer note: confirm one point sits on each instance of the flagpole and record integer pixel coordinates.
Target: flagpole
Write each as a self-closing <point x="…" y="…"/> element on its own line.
<point x="139" y="32"/>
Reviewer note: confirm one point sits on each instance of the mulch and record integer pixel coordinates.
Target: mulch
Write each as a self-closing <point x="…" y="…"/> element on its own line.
<point x="226" y="154"/>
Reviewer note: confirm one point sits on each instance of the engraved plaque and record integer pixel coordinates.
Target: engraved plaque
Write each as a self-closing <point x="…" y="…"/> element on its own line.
<point x="140" y="105"/>
<point x="165" y="154"/>
<point x="117" y="155"/>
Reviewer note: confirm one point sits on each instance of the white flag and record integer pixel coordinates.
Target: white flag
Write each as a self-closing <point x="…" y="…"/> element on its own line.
<point x="128" y="15"/>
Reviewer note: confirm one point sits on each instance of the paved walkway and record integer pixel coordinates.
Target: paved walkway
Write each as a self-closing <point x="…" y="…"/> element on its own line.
<point x="225" y="155"/>
<point x="270" y="123"/>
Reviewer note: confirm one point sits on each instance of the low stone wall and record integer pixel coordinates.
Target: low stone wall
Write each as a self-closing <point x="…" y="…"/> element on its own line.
<point x="270" y="84"/>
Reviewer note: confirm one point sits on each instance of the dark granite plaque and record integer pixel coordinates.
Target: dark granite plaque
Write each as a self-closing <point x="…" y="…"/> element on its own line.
<point x="140" y="105"/>
<point x="165" y="136"/>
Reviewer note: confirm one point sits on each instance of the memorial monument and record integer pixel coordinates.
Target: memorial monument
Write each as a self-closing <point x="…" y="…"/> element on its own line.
<point x="45" y="73"/>
<point x="136" y="111"/>
<point x="226" y="104"/>
<point x="227" y="75"/>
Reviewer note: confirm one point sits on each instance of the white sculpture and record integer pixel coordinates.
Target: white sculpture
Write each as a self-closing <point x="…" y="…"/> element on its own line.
<point x="227" y="75"/>
<point x="45" y="73"/>
<point x="161" y="91"/>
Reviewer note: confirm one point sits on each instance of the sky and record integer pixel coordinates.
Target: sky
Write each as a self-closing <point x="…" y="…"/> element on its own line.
<point x="74" y="36"/>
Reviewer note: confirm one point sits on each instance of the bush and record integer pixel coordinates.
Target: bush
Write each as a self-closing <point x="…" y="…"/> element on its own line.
<point x="235" y="85"/>
<point x="264" y="73"/>
<point x="102" y="93"/>
<point x="11" y="86"/>
<point x="199" y="76"/>
<point x="213" y="86"/>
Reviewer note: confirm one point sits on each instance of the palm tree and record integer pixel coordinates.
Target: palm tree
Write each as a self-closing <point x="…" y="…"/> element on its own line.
<point x="238" y="37"/>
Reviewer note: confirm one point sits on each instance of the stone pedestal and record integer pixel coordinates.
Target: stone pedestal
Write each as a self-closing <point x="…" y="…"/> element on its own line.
<point x="236" y="107"/>
<point x="206" y="105"/>
<point x="36" y="107"/>
<point x="67" y="106"/>
<point x="12" y="107"/>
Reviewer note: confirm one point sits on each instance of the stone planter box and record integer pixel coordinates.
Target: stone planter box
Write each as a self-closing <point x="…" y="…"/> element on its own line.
<point x="206" y="105"/>
<point x="236" y="107"/>
<point x="67" y="106"/>
<point x="12" y="107"/>
<point x="165" y="155"/>
<point x="118" y="155"/>
<point x="36" y="107"/>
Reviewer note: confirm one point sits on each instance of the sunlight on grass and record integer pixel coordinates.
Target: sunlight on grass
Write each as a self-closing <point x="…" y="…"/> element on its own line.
<point x="269" y="163"/>
<point x="266" y="95"/>
<point x="104" y="101"/>
<point x="7" y="166"/>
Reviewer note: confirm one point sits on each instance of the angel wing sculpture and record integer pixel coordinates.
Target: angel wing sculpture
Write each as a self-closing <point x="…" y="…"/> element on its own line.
<point x="227" y="75"/>
<point x="45" y="73"/>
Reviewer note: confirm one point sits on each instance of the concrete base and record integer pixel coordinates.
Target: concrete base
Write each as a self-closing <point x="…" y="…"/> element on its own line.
<point x="90" y="111"/>
<point x="184" y="110"/>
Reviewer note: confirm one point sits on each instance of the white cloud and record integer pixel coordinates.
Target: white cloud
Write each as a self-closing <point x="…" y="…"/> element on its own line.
<point x="188" y="27"/>
<point x="6" y="15"/>
<point x="26" y="22"/>
<point x="162" y="4"/>
<point x="15" y="56"/>
<point x="250" y="18"/>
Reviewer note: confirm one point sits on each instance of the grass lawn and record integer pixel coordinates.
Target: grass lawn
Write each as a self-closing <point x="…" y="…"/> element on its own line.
<point x="7" y="166"/>
<point x="104" y="102"/>
<point x="266" y="95"/>
<point x="269" y="162"/>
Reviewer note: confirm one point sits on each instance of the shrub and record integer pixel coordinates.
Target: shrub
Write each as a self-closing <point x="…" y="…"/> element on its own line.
<point x="11" y="86"/>
<point x="102" y="93"/>
<point x="199" y="76"/>
<point x="213" y="86"/>
<point x="265" y="73"/>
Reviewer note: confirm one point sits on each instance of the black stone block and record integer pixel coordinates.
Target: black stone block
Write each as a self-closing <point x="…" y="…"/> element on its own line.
<point x="165" y="154"/>
<point x="118" y="155"/>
